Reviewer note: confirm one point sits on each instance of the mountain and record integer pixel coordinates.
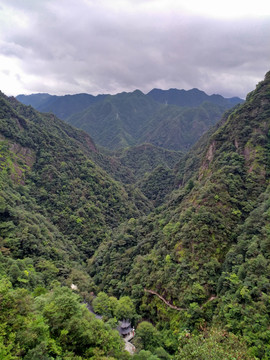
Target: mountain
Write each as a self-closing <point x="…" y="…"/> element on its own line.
<point x="34" y="100"/>
<point x="202" y="259"/>
<point x="144" y="158"/>
<point x="57" y="205"/>
<point x="151" y="169"/>
<point x="129" y="119"/>
<point x="61" y="106"/>
<point x="178" y="128"/>
<point x="51" y="185"/>
<point x="182" y="249"/>
<point x="55" y="161"/>
<point x="191" y="98"/>
<point x="117" y="121"/>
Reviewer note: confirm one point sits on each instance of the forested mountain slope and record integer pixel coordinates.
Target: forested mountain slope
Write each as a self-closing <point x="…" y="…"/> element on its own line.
<point x="207" y="250"/>
<point x="34" y="100"/>
<point x="61" y="106"/>
<point x="128" y="119"/>
<point x="178" y="128"/>
<point x="144" y="158"/>
<point x="197" y="266"/>
<point x="191" y="98"/>
<point x="149" y="168"/>
<point x="117" y="121"/>
<point x="56" y="206"/>
<point x="53" y="161"/>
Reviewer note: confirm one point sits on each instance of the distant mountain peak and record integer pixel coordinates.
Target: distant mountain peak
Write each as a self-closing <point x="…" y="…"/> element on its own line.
<point x="193" y="97"/>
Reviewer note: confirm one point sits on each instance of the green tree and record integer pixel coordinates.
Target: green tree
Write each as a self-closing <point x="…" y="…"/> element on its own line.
<point x="216" y="344"/>
<point x="125" y="308"/>
<point x="147" y="336"/>
<point x="102" y="304"/>
<point x="145" y="355"/>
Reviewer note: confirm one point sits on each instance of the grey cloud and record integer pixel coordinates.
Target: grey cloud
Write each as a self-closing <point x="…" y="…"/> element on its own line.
<point x="86" y="46"/>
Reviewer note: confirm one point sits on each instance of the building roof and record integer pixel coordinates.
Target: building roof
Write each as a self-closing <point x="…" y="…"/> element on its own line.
<point x="124" y="327"/>
<point x="125" y="323"/>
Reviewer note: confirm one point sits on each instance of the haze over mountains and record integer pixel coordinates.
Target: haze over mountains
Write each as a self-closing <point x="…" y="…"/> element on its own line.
<point x="173" y="119"/>
<point x="177" y="242"/>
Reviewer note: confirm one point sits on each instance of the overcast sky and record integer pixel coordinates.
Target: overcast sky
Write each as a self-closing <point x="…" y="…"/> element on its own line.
<point x="109" y="46"/>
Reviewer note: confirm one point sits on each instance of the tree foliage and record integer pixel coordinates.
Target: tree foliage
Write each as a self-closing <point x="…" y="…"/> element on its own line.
<point x="195" y="269"/>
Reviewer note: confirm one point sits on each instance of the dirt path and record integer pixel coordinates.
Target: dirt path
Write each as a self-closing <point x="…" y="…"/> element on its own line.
<point x="164" y="300"/>
<point x="130" y="347"/>
<point x="173" y="306"/>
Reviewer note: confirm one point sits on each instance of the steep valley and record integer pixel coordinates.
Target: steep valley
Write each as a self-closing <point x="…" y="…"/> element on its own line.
<point x="178" y="242"/>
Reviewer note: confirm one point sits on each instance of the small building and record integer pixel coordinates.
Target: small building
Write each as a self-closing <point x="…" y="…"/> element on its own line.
<point x="125" y="328"/>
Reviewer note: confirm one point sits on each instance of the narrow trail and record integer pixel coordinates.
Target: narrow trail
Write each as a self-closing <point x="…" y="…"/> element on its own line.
<point x="164" y="300"/>
<point x="128" y="345"/>
<point x="173" y="306"/>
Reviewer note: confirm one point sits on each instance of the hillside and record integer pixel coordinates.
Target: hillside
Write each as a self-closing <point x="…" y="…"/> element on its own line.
<point x="193" y="273"/>
<point x="130" y="119"/>
<point x="57" y="206"/>
<point x="178" y="128"/>
<point x="34" y="100"/>
<point x="190" y="98"/>
<point x="55" y="163"/>
<point x="149" y="168"/>
<point x="144" y="158"/>
<point x="206" y="251"/>
<point x="61" y="106"/>
<point x="118" y="120"/>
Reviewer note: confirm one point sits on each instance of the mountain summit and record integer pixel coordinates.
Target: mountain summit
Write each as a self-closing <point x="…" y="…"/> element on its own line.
<point x="190" y="98"/>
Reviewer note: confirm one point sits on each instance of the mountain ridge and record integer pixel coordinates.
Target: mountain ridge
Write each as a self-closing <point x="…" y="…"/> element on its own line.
<point x="192" y="97"/>
<point x="131" y="118"/>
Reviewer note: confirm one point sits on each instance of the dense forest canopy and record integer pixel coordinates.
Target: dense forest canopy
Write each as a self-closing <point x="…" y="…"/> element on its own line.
<point x="178" y="243"/>
<point x="172" y="119"/>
